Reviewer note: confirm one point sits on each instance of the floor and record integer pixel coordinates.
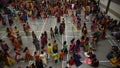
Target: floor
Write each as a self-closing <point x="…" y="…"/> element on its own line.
<point x="40" y="25"/>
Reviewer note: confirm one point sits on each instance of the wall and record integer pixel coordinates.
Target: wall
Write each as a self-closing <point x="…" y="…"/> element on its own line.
<point x="114" y="9"/>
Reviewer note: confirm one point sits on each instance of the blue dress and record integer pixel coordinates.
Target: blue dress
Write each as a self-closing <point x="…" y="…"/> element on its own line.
<point x="77" y="60"/>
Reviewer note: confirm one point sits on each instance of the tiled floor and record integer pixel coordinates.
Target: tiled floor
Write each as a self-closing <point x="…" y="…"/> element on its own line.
<point x="40" y="25"/>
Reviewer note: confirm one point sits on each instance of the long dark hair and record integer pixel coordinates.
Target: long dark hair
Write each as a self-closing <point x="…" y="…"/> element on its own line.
<point x="64" y="42"/>
<point x="26" y="48"/>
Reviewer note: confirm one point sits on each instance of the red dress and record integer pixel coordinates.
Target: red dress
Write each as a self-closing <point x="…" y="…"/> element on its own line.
<point x="82" y="42"/>
<point x="33" y="18"/>
<point x="45" y="15"/>
<point x="71" y="62"/>
<point x="42" y="41"/>
<point x="16" y="44"/>
<point x="62" y="55"/>
<point x="66" y="11"/>
<point x="103" y="34"/>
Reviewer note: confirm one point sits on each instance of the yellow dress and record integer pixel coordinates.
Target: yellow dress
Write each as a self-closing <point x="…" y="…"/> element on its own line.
<point x="52" y="33"/>
<point x="29" y="13"/>
<point x="49" y="48"/>
<point x="11" y="30"/>
<point x="55" y="56"/>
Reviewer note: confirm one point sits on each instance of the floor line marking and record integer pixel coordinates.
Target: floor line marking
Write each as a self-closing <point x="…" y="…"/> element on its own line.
<point x="66" y="32"/>
<point x="75" y="28"/>
<point x="42" y="27"/>
<point x="110" y="41"/>
<point x="67" y="42"/>
<point x="62" y="37"/>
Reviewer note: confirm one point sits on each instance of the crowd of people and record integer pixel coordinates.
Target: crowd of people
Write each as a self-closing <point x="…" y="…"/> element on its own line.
<point x="114" y="56"/>
<point x="43" y="9"/>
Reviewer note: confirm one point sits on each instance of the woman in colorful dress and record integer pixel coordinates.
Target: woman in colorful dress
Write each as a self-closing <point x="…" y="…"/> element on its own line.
<point x="103" y="33"/>
<point x="46" y="37"/>
<point x="71" y="47"/>
<point x="49" y="50"/>
<point x="73" y="18"/>
<point x="51" y="33"/>
<point x="77" y="58"/>
<point x="71" y="61"/>
<point x="55" y="47"/>
<point x="10" y="61"/>
<point x="43" y="57"/>
<point x="19" y="39"/>
<point x="16" y="44"/>
<point x="94" y="43"/>
<point x="33" y="34"/>
<point x="61" y="29"/>
<point x="42" y="39"/>
<point x="18" y="56"/>
<point x="16" y="30"/>
<point x="56" y="30"/>
<point x="78" y="22"/>
<point x="58" y="18"/>
<point x="26" y="29"/>
<point x="61" y="55"/>
<point x="55" y="57"/>
<point x="28" y="55"/>
<point x="82" y="40"/>
<point x="36" y="43"/>
<point x="65" y="47"/>
<point x="11" y="30"/>
<point x="77" y="46"/>
<point x="3" y="45"/>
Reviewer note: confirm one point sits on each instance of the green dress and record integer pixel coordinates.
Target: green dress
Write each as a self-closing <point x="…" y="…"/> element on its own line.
<point x="56" y="30"/>
<point x="86" y="47"/>
<point x="65" y="48"/>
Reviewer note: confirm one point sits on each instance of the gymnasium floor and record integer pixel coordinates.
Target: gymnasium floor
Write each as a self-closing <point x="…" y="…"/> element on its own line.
<point x="40" y="25"/>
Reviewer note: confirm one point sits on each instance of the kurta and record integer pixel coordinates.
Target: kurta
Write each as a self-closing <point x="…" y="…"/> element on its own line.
<point x="43" y="57"/>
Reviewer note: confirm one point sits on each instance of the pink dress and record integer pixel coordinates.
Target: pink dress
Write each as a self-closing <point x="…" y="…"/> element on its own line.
<point x="73" y="18"/>
<point x="52" y="11"/>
